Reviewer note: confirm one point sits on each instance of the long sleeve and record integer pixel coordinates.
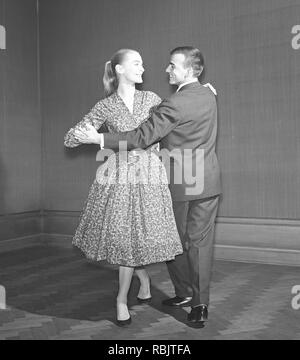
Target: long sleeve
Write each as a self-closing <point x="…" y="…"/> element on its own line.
<point x="156" y="100"/>
<point x="95" y="117"/>
<point x="163" y="120"/>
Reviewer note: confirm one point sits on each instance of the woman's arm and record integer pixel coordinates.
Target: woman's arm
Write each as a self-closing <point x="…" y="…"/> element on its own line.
<point x="95" y="118"/>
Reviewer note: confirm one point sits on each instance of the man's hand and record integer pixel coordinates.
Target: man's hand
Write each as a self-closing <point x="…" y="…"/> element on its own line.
<point x="88" y="136"/>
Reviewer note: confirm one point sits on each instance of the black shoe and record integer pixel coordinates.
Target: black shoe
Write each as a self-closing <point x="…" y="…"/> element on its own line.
<point x="198" y="314"/>
<point x="143" y="301"/>
<point x="178" y="301"/>
<point x="124" y="322"/>
<point x="147" y="300"/>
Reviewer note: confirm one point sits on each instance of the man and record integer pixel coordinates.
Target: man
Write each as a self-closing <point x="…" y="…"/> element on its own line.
<point x="186" y="122"/>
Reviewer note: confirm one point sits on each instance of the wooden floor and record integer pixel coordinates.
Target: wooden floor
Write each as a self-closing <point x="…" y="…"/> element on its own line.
<point x="54" y="293"/>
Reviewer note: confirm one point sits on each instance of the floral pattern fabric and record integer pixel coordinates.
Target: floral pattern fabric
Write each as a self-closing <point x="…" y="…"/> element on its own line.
<point x="128" y="217"/>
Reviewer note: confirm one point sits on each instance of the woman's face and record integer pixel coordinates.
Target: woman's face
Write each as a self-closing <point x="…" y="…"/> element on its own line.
<point x="131" y="68"/>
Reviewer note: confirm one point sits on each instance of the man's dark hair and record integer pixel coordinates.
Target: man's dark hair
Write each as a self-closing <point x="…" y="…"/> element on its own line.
<point x="193" y="58"/>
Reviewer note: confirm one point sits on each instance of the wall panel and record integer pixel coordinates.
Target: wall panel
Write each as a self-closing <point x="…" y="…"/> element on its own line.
<point x="247" y="47"/>
<point x="20" y="123"/>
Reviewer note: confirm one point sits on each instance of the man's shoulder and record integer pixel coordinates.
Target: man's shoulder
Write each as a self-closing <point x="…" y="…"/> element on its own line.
<point x="189" y="100"/>
<point x="172" y="100"/>
<point x="198" y="92"/>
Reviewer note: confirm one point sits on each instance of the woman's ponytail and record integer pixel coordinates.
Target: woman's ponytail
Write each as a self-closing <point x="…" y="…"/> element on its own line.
<point x="110" y="80"/>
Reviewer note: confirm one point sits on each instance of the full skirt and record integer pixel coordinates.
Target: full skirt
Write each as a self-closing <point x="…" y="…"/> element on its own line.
<point x="128" y="217"/>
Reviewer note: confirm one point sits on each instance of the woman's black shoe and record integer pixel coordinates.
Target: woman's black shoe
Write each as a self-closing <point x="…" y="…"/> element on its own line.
<point x="147" y="300"/>
<point x="143" y="301"/>
<point x="124" y="322"/>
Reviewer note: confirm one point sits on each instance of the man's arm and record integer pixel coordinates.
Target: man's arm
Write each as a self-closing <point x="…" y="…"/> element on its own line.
<point x="163" y="120"/>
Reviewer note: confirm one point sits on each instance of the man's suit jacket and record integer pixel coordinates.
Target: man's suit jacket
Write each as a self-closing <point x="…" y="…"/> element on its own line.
<point x="185" y="124"/>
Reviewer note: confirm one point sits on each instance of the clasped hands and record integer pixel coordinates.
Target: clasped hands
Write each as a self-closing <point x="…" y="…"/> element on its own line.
<point x="89" y="135"/>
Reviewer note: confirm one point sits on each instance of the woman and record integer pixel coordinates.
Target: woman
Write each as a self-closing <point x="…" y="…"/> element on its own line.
<point x="127" y="219"/>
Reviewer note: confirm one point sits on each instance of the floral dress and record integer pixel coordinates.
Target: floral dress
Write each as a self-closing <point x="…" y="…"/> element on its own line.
<point x="127" y="218"/>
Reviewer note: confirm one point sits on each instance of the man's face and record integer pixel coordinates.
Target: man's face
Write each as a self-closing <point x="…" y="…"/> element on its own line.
<point x="176" y="69"/>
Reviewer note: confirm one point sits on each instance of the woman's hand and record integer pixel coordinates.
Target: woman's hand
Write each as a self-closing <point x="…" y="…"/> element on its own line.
<point x="89" y="135"/>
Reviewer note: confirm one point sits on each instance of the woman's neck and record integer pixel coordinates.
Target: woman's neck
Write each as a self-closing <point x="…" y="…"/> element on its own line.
<point x="126" y="90"/>
<point x="126" y="93"/>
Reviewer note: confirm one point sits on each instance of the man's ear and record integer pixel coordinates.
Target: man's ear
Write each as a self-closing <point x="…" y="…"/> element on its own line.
<point x="201" y="70"/>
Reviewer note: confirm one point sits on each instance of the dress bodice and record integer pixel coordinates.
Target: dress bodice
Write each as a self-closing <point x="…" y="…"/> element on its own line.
<point x="114" y="113"/>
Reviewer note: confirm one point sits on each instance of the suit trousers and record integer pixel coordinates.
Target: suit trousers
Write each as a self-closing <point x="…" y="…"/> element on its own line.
<point x="191" y="272"/>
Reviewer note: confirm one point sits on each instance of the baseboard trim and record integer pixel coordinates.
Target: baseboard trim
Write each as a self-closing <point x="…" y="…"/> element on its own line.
<point x="20" y="243"/>
<point x="268" y="241"/>
<point x="222" y="252"/>
<point x="20" y="225"/>
<point x="258" y="255"/>
<point x="61" y="240"/>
